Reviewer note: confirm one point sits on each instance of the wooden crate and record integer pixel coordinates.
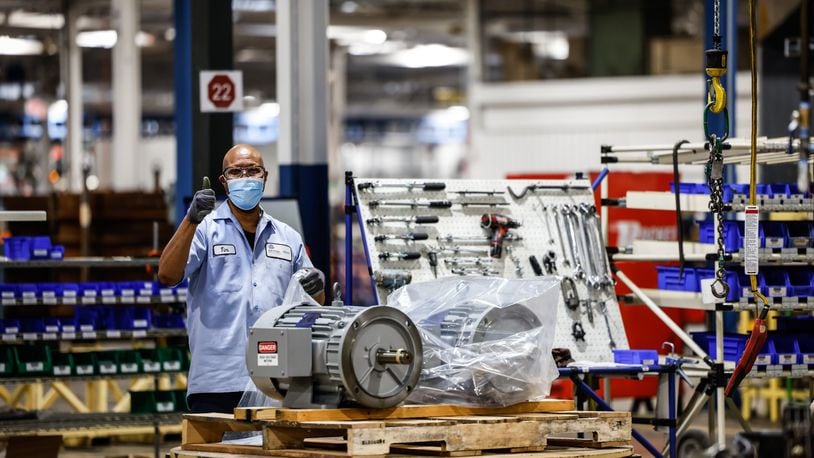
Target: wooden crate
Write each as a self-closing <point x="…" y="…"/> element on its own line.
<point x="442" y="430"/>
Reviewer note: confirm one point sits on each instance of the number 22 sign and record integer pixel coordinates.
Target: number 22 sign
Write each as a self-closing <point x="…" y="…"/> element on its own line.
<point x="221" y="90"/>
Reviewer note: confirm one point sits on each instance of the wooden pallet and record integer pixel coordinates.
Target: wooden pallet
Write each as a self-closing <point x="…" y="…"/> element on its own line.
<point x="552" y="452"/>
<point x="414" y="430"/>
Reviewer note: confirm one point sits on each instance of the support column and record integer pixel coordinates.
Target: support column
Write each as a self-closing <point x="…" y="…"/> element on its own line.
<point x="302" y="92"/>
<point x="126" y="100"/>
<point x="74" y="142"/>
<point x="202" y="138"/>
<point x="474" y="71"/>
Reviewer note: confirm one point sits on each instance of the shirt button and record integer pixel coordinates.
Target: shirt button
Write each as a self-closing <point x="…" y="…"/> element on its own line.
<point x="254" y="284"/>
<point x="256" y="308"/>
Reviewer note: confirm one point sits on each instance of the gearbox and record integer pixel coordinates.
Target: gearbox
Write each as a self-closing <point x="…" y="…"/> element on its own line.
<point x="311" y="356"/>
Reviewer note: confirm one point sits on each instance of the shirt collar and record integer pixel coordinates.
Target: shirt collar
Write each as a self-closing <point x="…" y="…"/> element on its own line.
<point x="224" y="211"/>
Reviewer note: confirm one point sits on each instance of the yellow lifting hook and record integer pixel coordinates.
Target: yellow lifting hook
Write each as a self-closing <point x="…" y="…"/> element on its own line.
<point x="716" y="68"/>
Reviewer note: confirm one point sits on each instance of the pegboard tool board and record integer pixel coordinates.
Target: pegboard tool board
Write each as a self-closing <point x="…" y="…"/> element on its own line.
<point x="549" y="229"/>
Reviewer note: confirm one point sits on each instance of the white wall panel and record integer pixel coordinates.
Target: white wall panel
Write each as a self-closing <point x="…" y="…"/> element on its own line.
<point x="559" y="126"/>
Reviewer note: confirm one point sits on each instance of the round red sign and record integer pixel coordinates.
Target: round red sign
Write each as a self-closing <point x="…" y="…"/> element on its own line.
<point x="221" y="91"/>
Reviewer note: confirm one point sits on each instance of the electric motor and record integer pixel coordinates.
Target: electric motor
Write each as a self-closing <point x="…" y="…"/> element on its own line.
<point x="311" y="356"/>
<point x="470" y="331"/>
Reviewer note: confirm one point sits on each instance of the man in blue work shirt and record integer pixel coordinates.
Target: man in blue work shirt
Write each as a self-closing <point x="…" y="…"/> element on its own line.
<point x="239" y="261"/>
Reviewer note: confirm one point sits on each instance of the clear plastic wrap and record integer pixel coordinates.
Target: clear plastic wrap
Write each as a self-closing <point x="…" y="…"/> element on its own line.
<point x="487" y="341"/>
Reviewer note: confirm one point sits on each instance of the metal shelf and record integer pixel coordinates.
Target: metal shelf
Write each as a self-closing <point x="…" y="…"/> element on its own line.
<point x="90" y="335"/>
<point x="22" y="215"/>
<point x="802" y="371"/>
<point x="693" y="301"/>
<point x="61" y="423"/>
<point x="738" y="151"/>
<point x="123" y="261"/>
<point x="81" y="378"/>
<point x="659" y="200"/>
<point x="667" y="251"/>
<point x="135" y="300"/>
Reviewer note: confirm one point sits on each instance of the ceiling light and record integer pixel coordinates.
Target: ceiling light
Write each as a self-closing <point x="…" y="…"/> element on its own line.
<point x="26" y="19"/>
<point x="458" y="112"/>
<point x="349" y="7"/>
<point x="97" y="39"/>
<point x="169" y="34"/>
<point x="432" y="55"/>
<point x="270" y="108"/>
<point x="375" y="36"/>
<point x="144" y="39"/>
<point x="20" y="46"/>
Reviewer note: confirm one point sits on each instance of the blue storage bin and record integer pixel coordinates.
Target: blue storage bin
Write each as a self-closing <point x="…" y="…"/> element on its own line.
<point x="17" y="248"/>
<point x="89" y="289"/>
<point x="784" y="347"/>
<point x="805" y="347"/>
<point x="68" y="325"/>
<point x="32" y="325"/>
<point x="800" y="233"/>
<point x="776" y="283"/>
<point x="733" y="344"/>
<point x="57" y="252"/>
<point x="107" y="289"/>
<point x="801" y="283"/>
<point x="779" y="190"/>
<point x="28" y="292"/>
<point x="731" y="279"/>
<point x="50" y="290"/>
<point x="85" y="318"/>
<point x="733" y="234"/>
<point x="52" y="324"/>
<point x="644" y="357"/>
<point x="765" y="355"/>
<point x="690" y="188"/>
<point x="128" y="288"/>
<point x="162" y="290"/>
<point x="40" y="247"/>
<point x="106" y="319"/>
<point x="146" y="288"/>
<point x="775" y="234"/>
<point x="668" y="279"/>
<point x="170" y="321"/>
<point x="140" y="318"/>
<point x="10" y="326"/>
<point x="8" y="291"/>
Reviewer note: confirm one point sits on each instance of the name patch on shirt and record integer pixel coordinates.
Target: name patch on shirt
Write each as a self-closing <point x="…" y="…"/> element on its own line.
<point x="278" y="251"/>
<point x="224" y="250"/>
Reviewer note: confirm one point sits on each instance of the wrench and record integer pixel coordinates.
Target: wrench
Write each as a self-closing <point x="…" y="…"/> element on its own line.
<point x="579" y="272"/>
<point x="565" y="261"/>
<point x="517" y="267"/>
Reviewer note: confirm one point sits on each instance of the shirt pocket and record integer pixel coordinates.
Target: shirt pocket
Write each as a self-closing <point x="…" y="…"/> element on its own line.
<point x="226" y="274"/>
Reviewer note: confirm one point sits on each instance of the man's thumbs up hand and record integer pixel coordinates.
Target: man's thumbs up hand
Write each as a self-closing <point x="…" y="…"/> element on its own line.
<point x="203" y="202"/>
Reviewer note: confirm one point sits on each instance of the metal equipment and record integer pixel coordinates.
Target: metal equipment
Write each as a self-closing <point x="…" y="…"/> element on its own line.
<point x="410" y="237"/>
<point x="422" y="186"/>
<point x="425" y="219"/>
<point x="393" y="279"/>
<point x="309" y="356"/>
<point x="400" y="256"/>
<point x="471" y="325"/>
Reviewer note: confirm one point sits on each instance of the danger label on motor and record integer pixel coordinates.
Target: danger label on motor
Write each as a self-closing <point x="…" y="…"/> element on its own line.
<point x="267" y="347"/>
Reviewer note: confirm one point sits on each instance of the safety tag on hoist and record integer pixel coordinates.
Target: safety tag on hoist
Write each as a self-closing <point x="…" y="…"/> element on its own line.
<point x="751" y="240"/>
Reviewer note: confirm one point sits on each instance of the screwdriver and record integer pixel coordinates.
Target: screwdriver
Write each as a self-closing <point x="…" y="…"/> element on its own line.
<point x="433" y="257"/>
<point x="424" y="219"/>
<point x="410" y="203"/>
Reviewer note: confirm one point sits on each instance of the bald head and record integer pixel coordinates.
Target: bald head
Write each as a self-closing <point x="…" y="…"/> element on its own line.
<point x="242" y="155"/>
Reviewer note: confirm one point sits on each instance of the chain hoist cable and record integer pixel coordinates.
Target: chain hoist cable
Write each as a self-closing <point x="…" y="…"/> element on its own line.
<point x="716" y="64"/>
<point x="714" y="172"/>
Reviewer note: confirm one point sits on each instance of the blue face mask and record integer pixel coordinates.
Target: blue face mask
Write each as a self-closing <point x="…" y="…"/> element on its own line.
<point x="245" y="193"/>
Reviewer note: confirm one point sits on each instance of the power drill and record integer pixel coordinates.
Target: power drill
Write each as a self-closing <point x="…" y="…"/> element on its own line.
<point x="499" y="225"/>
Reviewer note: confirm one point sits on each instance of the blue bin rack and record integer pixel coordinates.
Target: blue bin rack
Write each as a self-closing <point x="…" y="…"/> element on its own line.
<point x="733" y="344"/>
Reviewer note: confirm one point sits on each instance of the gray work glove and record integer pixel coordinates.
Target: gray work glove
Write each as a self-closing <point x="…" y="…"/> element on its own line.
<point x="311" y="279"/>
<point x="203" y="202"/>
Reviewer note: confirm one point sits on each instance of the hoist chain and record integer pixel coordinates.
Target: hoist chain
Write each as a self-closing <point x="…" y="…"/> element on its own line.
<point x="716" y="24"/>
<point x="714" y="171"/>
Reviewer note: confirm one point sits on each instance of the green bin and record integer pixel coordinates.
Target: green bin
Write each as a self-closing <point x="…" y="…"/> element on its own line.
<point x="150" y="361"/>
<point x="84" y="363"/>
<point x="171" y="359"/>
<point x="63" y="365"/>
<point x="129" y="362"/>
<point x="8" y="360"/>
<point x="107" y="362"/>
<point x="33" y="360"/>
<point x="181" y="400"/>
<point x="152" y="401"/>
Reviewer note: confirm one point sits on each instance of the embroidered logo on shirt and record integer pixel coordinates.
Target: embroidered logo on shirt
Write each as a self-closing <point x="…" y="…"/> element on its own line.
<point x="278" y="251"/>
<point x="224" y="250"/>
